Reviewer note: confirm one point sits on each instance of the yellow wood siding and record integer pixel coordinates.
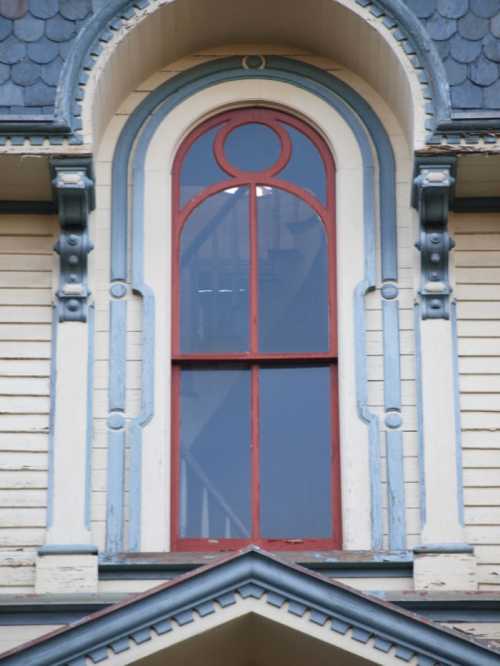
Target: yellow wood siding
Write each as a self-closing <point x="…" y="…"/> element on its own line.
<point x="477" y="277"/>
<point x="26" y="262"/>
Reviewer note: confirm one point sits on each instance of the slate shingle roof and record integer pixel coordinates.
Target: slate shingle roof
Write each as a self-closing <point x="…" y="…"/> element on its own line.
<point x="467" y="36"/>
<point x="34" y="40"/>
<point x="36" y="36"/>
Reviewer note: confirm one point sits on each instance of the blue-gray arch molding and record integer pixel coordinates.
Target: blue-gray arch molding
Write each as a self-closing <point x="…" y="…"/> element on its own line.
<point x="130" y="151"/>
<point x="400" y="22"/>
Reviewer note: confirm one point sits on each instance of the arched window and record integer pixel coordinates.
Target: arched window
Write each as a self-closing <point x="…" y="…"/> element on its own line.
<point x="255" y="399"/>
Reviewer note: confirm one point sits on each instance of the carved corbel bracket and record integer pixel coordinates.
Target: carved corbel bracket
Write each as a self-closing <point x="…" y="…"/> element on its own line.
<point x="433" y="189"/>
<point x="73" y="185"/>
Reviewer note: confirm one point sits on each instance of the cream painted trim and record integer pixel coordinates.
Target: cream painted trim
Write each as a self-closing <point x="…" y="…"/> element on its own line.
<point x="262" y="608"/>
<point x="70" y="438"/>
<point x="354" y="436"/>
<point x="443" y="524"/>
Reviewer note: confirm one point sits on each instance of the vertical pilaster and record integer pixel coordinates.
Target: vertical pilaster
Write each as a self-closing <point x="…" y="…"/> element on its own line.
<point x="443" y="551"/>
<point x="68" y="561"/>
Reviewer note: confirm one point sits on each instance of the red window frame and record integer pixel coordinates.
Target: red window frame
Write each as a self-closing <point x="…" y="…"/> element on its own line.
<point x="254" y="359"/>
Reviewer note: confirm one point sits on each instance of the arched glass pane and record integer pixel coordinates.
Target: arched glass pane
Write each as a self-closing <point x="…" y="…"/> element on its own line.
<point x="215" y="454"/>
<point x="305" y="168"/>
<point x="295" y="453"/>
<point x="199" y="168"/>
<point x="252" y="147"/>
<point x="293" y="275"/>
<point x="214" y="275"/>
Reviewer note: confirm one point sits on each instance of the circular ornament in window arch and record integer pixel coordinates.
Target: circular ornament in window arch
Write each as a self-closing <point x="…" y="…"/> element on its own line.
<point x="252" y="145"/>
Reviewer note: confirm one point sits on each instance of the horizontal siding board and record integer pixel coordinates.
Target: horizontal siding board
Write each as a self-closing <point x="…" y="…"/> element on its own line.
<point x="475" y="458"/>
<point x="485" y="365"/>
<point x="22" y="537"/>
<point x="20" y="480"/>
<point x="485" y="292"/>
<point x="479" y="477"/>
<point x="477" y="275"/>
<point x="27" y="245"/>
<point x="21" y="333"/>
<point x="474" y="242"/>
<point x="31" y="350"/>
<point x="24" y="404"/>
<point x="21" y="279"/>
<point x="465" y="259"/>
<point x="479" y="328"/>
<point x="28" y="225"/>
<point x="23" y="499"/>
<point x="479" y="347"/>
<point x="24" y="386"/>
<point x="483" y="402"/>
<point x="26" y="262"/>
<point x="481" y="439"/>
<point x="22" y="441"/>
<point x="28" y="423"/>
<point x="480" y="383"/>
<point x="482" y="515"/>
<point x="482" y="497"/>
<point x="22" y="517"/>
<point x="25" y="297"/>
<point x="19" y="314"/>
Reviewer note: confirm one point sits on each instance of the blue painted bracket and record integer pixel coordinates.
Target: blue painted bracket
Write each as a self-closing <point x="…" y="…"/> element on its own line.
<point x="74" y="189"/>
<point x="433" y="189"/>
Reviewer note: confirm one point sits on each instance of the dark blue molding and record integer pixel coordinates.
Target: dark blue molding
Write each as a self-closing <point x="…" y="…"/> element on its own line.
<point x="133" y="570"/>
<point x="467" y="610"/>
<point x="255" y="574"/>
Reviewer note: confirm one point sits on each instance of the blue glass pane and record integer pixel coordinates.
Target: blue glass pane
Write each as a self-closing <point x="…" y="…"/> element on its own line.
<point x="199" y="168"/>
<point x="305" y="168"/>
<point x="295" y="453"/>
<point x="215" y="470"/>
<point x="252" y="147"/>
<point x="293" y="275"/>
<point x="214" y="267"/>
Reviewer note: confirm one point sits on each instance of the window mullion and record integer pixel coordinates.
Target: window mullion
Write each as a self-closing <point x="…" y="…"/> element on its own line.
<point x="255" y="452"/>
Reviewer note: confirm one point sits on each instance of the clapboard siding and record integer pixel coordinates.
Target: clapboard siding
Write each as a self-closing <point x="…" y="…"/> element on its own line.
<point x="26" y="264"/>
<point x="477" y="277"/>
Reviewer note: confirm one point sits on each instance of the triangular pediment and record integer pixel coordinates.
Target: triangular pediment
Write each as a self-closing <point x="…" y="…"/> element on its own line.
<point x="218" y="608"/>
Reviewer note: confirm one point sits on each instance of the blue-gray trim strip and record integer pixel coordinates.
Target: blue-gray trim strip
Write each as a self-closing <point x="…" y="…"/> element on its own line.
<point x="392" y="355"/>
<point x="52" y="415"/>
<point x="396" y="489"/>
<point x="90" y="414"/>
<point x="116" y="489"/>
<point x="458" y="423"/>
<point x="420" y="414"/>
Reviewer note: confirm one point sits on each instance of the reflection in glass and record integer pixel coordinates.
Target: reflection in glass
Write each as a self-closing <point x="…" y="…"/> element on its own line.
<point x="295" y="453"/>
<point x="252" y="147"/>
<point x="199" y="168"/>
<point x="215" y="466"/>
<point x="214" y="268"/>
<point x="305" y="168"/>
<point x="293" y="275"/>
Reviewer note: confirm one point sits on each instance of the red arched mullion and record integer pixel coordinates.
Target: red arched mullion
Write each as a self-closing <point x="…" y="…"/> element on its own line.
<point x="253" y="359"/>
<point x="246" y="180"/>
